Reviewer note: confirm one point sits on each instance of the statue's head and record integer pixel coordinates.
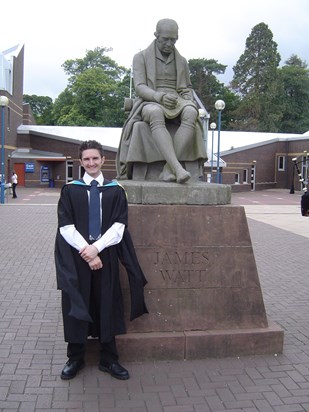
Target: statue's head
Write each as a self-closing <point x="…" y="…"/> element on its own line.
<point x="166" y="34"/>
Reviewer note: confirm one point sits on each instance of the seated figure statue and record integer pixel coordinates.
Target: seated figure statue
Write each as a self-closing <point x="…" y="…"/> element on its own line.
<point x="164" y="123"/>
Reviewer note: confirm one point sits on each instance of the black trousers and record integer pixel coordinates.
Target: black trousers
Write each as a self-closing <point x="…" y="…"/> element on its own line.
<point x="14" y="189"/>
<point x="108" y="352"/>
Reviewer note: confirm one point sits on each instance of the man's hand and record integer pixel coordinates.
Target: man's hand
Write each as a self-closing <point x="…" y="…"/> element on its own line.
<point x="88" y="253"/>
<point x="95" y="263"/>
<point x="169" y="101"/>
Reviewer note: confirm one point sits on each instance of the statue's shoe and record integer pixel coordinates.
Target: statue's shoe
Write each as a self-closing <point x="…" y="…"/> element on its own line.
<point x="183" y="176"/>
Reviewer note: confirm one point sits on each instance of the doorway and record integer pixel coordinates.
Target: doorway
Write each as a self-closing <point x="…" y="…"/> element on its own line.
<point x="20" y="171"/>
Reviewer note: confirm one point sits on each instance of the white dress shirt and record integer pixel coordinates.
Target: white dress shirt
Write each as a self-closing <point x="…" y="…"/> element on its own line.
<point x="111" y="237"/>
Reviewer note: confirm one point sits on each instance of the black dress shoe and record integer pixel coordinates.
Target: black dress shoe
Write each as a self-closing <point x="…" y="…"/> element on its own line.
<point x="116" y="370"/>
<point x="71" y="368"/>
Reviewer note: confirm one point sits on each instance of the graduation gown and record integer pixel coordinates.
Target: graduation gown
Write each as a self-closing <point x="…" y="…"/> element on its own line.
<point x="75" y="278"/>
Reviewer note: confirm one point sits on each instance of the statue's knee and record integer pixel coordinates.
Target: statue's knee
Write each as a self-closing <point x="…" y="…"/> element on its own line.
<point x="189" y="115"/>
<point x="153" y="113"/>
<point x="154" y="116"/>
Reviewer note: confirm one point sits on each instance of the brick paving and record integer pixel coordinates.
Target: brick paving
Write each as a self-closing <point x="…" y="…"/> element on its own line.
<point x="32" y="350"/>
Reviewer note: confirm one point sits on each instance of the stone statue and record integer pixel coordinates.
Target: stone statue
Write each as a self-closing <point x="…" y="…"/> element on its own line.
<point x="163" y="125"/>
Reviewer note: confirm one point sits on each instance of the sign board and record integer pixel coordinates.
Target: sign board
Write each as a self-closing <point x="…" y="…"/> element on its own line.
<point x="44" y="174"/>
<point x="29" y="167"/>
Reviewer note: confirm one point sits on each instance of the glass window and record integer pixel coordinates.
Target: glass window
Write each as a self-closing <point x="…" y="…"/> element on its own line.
<point x="245" y="176"/>
<point x="69" y="171"/>
<point x="281" y="163"/>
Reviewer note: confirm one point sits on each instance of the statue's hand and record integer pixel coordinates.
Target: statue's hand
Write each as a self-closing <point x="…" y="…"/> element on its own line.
<point x="169" y="101"/>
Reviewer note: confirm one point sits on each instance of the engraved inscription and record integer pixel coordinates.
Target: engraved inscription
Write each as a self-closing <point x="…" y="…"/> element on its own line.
<point x="183" y="275"/>
<point x="186" y="268"/>
<point x="175" y="258"/>
<point x="211" y="268"/>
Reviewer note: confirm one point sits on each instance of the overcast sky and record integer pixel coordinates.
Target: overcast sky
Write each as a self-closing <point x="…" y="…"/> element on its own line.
<point x="58" y="30"/>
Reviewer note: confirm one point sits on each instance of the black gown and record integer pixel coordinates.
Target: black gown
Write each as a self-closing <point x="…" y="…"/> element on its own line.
<point x="75" y="278"/>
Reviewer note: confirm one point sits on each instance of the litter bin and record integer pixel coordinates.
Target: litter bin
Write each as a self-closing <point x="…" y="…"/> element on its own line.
<point x="51" y="183"/>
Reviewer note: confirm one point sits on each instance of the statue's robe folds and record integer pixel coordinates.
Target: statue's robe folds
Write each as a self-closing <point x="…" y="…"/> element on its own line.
<point x="136" y="144"/>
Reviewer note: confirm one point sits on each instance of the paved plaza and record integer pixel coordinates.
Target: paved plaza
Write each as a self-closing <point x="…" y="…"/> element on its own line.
<point x="32" y="350"/>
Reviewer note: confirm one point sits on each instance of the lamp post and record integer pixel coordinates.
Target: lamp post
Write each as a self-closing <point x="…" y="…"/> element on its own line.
<point x="219" y="105"/>
<point x="303" y="180"/>
<point x="202" y="115"/>
<point x="292" y="190"/>
<point x="253" y="175"/>
<point x="212" y="126"/>
<point x="306" y="167"/>
<point x="4" y="102"/>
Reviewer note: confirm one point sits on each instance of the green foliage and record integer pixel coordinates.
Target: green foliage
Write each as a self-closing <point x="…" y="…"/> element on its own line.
<point x="205" y="83"/>
<point x="95" y="93"/>
<point x="232" y="101"/>
<point x="257" y="66"/>
<point x="62" y="106"/>
<point x="94" y="59"/>
<point x="257" y="82"/>
<point x="41" y="107"/>
<point x="295" y="96"/>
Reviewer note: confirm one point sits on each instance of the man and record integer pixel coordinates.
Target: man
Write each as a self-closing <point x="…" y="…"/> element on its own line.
<point x="87" y="265"/>
<point x="162" y="84"/>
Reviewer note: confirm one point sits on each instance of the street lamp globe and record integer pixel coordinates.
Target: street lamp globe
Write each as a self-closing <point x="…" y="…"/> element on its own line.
<point x="219" y="105"/>
<point x="202" y="113"/>
<point x="212" y="126"/>
<point x="4" y="101"/>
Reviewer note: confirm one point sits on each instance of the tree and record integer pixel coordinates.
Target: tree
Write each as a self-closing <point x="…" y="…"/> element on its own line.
<point x="41" y="107"/>
<point x="94" y="59"/>
<point x="232" y="102"/>
<point x="95" y="92"/>
<point x="209" y="89"/>
<point x="257" y="82"/>
<point x="295" y="96"/>
<point x="62" y="106"/>
<point x="204" y="81"/>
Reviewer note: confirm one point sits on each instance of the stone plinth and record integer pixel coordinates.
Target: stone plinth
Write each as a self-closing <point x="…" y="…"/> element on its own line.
<point x="203" y="293"/>
<point x="195" y="193"/>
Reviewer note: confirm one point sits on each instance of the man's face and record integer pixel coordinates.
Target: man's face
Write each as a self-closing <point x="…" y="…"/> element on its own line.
<point x="92" y="162"/>
<point x="166" y="39"/>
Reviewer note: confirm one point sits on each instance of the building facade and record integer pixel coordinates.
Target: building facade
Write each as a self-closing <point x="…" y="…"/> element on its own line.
<point x="268" y="165"/>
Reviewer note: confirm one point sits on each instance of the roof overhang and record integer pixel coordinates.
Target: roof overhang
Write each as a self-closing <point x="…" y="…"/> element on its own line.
<point x="109" y="137"/>
<point x="39" y="155"/>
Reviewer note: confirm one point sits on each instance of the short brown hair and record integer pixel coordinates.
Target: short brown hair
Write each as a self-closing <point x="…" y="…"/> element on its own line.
<point x="90" y="144"/>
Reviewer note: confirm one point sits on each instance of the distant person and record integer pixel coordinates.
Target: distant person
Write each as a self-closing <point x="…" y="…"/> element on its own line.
<point x="305" y="204"/>
<point x="162" y="84"/>
<point x="86" y="257"/>
<point x="14" y="182"/>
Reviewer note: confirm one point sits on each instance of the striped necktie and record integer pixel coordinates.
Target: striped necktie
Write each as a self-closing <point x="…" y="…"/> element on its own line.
<point x="94" y="212"/>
